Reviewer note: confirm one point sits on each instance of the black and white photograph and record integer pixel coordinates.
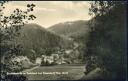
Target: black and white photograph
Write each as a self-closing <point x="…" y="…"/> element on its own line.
<point x="63" y="40"/>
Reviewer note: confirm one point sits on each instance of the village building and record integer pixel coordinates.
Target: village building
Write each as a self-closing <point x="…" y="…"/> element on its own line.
<point x="68" y="51"/>
<point x="55" y="56"/>
<point x="38" y="61"/>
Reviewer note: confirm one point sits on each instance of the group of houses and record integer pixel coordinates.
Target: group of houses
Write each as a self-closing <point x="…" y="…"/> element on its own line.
<point x="49" y="60"/>
<point x="23" y="62"/>
<point x="53" y="59"/>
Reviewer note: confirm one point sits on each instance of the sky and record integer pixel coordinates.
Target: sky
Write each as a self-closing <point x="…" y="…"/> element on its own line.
<point x="49" y="13"/>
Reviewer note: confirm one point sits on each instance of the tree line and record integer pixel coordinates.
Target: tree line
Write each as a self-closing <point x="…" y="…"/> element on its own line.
<point x="107" y="38"/>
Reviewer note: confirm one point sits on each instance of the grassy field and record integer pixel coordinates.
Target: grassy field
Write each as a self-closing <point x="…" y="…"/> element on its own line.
<point x="57" y="72"/>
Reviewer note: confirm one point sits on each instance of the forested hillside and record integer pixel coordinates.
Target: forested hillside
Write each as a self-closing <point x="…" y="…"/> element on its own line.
<point x="35" y="39"/>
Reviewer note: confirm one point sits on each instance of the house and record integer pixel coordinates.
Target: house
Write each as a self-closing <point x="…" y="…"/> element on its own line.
<point x="38" y="61"/>
<point x="68" y="51"/>
<point x="55" y="57"/>
<point x="47" y="60"/>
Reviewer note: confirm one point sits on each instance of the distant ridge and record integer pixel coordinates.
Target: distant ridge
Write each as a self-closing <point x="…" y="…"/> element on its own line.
<point x="70" y="28"/>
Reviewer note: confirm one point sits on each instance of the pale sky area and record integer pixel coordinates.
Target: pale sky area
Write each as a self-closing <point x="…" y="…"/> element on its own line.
<point x="52" y="12"/>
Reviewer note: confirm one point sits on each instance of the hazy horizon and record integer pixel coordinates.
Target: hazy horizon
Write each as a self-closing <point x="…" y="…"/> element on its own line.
<point x="49" y="13"/>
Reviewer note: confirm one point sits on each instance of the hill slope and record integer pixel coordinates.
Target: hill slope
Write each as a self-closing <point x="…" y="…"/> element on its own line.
<point x="74" y="28"/>
<point x="35" y="37"/>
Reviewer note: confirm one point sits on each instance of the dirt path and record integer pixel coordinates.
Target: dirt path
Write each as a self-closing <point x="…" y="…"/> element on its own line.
<point x="28" y="70"/>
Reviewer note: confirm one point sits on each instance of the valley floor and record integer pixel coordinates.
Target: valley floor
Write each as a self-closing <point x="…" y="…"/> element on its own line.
<point x="71" y="72"/>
